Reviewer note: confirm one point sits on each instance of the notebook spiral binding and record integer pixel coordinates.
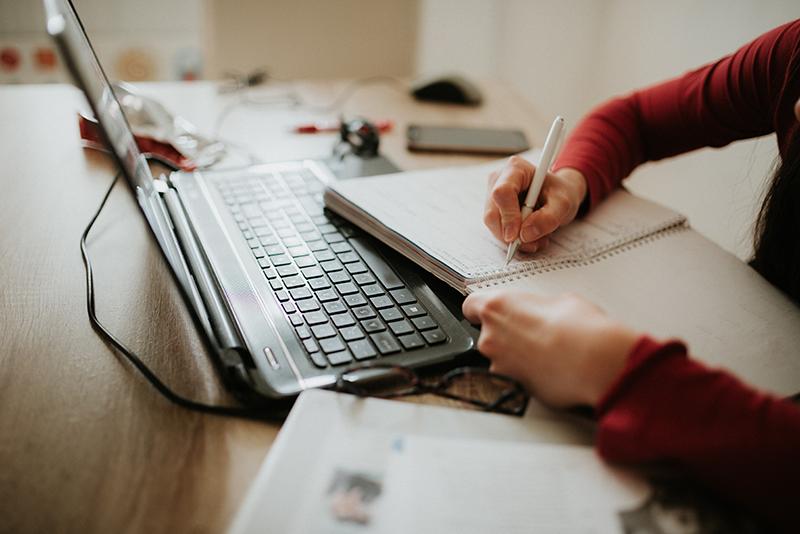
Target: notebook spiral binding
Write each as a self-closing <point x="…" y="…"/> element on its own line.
<point x="528" y="270"/>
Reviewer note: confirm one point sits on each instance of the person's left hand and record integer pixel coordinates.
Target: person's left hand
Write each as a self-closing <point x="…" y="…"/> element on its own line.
<point x="564" y="350"/>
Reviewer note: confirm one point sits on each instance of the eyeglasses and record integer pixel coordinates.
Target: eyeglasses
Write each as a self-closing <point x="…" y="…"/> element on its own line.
<point x="472" y="385"/>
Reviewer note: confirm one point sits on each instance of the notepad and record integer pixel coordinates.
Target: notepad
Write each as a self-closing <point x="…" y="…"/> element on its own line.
<point x="436" y="219"/>
<point x="640" y="261"/>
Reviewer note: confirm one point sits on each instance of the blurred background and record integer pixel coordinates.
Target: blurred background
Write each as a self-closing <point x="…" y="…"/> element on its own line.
<point x="562" y="57"/>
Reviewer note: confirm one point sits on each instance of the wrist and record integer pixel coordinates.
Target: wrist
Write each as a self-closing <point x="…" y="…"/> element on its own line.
<point x="576" y="182"/>
<point x="607" y="360"/>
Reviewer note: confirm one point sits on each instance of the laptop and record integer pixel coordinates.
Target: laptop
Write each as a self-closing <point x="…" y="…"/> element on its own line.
<point x="287" y="294"/>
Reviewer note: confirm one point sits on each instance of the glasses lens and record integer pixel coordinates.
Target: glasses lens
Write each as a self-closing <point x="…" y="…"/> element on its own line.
<point x="378" y="381"/>
<point x="491" y="391"/>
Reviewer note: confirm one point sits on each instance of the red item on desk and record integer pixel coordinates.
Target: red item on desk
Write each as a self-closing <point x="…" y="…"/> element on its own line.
<point x="90" y="133"/>
<point x="383" y="126"/>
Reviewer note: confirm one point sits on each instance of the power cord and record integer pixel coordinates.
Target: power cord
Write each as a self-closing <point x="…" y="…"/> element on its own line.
<point x="136" y="362"/>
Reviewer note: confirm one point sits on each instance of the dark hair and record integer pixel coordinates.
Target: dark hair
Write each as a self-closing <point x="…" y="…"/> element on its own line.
<point x="777" y="229"/>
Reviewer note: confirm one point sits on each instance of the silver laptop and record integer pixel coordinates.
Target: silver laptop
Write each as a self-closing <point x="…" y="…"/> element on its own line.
<point x="287" y="294"/>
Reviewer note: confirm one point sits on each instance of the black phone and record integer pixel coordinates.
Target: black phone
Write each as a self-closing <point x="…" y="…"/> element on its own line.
<point x="499" y="142"/>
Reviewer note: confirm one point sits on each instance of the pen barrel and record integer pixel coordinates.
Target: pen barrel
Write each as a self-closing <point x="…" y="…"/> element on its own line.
<point x="548" y="152"/>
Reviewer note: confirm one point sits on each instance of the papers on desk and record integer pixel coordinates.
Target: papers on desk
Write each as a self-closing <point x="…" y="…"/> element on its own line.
<point x="343" y="465"/>
<point x="639" y="261"/>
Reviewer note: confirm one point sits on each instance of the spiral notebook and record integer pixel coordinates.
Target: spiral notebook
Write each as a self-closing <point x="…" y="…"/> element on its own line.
<point x="638" y="260"/>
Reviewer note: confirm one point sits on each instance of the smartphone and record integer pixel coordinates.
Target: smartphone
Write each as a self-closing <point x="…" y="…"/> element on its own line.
<point x="499" y="142"/>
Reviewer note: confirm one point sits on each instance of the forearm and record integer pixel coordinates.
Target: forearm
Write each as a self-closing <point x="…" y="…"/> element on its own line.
<point x="666" y="407"/>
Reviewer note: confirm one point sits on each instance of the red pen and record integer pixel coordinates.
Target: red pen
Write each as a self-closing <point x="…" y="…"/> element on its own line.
<point x="333" y="126"/>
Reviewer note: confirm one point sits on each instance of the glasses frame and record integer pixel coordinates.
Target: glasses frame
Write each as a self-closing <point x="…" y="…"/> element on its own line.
<point x="438" y="386"/>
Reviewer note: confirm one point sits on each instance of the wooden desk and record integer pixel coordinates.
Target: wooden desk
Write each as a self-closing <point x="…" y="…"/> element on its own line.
<point x="86" y="445"/>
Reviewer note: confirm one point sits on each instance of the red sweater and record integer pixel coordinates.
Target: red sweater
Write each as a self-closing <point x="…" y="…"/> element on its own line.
<point x="666" y="407"/>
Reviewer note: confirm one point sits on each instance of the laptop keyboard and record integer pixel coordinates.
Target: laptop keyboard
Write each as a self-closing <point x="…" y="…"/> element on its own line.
<point x="345" y="302"/>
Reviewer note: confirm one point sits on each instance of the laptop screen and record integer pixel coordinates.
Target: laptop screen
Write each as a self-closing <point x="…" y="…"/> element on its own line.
<point x="65" y="27"/>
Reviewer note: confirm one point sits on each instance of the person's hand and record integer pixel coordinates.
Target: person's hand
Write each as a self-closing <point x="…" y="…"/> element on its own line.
<point x="559" y="200"/>
<point x="564" y="350"/>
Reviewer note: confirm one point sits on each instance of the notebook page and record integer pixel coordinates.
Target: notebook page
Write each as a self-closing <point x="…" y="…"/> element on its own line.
<point x="440" y="212"/>
<point x="681" y="285"/>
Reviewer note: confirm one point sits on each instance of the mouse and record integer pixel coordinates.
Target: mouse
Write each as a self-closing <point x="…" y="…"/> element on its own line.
<point x="453" y="89"/>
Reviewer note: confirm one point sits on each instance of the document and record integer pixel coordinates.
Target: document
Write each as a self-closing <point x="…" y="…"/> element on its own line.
<point x="343" y="465"/>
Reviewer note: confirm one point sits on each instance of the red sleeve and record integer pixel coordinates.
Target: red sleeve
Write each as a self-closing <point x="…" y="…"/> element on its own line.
<point x="743" y="443"/>
<point x="747" y="94"/>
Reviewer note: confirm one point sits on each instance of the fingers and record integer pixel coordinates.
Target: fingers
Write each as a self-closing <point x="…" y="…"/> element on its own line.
<point x="503" y="210"/>
<point x="545" y="220"/>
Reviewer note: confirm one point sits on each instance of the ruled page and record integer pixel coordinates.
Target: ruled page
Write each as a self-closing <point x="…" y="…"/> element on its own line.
<point x="439" y="213"/>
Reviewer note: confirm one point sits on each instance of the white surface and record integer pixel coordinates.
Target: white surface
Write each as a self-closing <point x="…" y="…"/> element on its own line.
<point x="326" y="431"/>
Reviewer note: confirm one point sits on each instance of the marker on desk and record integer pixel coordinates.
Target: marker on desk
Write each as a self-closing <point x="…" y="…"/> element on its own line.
<point x="548" y="154"/>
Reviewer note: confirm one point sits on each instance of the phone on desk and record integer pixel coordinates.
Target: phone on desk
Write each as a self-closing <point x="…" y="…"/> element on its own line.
<point x="500" y="142"/>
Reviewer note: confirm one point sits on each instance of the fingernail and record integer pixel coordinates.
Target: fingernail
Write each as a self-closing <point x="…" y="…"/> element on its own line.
<point x="529" y="233"/>
<point x="508" y="232"/>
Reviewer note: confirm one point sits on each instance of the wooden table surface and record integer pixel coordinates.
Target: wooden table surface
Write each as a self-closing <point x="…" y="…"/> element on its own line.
<point x="86" y="445"/>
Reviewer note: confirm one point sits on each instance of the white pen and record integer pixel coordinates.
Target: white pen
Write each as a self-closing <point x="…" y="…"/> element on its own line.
<point x="548" y="154"/>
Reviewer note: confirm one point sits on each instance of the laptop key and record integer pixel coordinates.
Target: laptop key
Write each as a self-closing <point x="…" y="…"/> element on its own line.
<point x="379" y="267"/>
<point x="362" y="349"/>
<point x="434" y="336"/>
<point x="276" y="284"/>
<point x="282" y="295"/>
<point x="339" y="358"/>
<point x="316" y="245"/>
<point x="307" y="261"/>
<point x="364" y="279"/>
<point x="348" y="257"/>
<point x="343" y="319"/>
<point x="385" y="342"/>
<point x="335" y="306"/>
<point x="331" y="266"/>
<point x="331" y="344"/>
<point x="300" y="293"/>
<point x="333" y="238"/>
<point x="403" y="296"/>
<point x="296" y="319"/>
<point x="372" y="290"/>
<point x="294" y="281"/>
<point x="310" y="345"/>
<point x="401" y="327"/>
<point x="391" y="314"/>
<point x="273" y="250"/>
<point x="411" y="341"/>
<point x="381" y="301"/>
<point x="347" y="288"/>
<point x="289" y="307"/>
<point x="315" y="317"/>
<point x="319" y="283"/>
<point x="326" y="295"/>
<point x="363" y="312"/>
<point x="263" y="263"/>
<point x="287" y="270"/>
<point x="270" y="273"/>
<point x="373" y="325"/>
<point x="355" y="268"/>
<point x="350" y="333"/>
<point x="413" y="310"/>
<point x="324" y="255"/>
<point x="307" y="305"/>
<point x="424" y="322"/>
<point x="341" y="247"/>
<point x="303" y="332"/>
<point x="339" y="277"/>
<point x="280" y="259"/>
<point x="321" y="331"/>
<point x="355" y="300"/>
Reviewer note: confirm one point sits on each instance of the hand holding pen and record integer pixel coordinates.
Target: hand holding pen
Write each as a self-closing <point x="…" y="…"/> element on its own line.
<point x="556" y="199"/>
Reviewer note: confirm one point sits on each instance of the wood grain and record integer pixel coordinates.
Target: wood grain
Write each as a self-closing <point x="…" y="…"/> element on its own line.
<point x="86" y="445"/>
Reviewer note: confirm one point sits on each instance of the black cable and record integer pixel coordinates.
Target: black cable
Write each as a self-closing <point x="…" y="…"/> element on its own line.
<point x="133" y="359"/>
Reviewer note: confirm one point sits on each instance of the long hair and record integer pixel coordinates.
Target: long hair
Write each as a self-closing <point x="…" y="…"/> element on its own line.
<point x="777" y="229"/>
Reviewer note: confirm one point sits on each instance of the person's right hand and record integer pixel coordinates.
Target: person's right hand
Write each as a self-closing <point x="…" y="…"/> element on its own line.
<point x="561" y="197"/>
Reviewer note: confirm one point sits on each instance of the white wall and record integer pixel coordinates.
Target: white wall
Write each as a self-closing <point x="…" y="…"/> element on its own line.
<point x="567" y="56"/>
